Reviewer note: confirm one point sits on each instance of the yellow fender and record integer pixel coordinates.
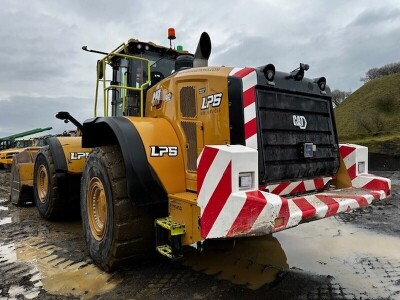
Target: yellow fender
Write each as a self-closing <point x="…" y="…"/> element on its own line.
<point x="153" y="155"/>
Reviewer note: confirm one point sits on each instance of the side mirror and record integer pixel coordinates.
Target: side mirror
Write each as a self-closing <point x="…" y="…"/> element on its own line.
<point x="100" y="69"/>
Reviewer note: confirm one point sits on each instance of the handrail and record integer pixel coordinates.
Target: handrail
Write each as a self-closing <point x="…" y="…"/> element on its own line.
<point x="106" y="60"/>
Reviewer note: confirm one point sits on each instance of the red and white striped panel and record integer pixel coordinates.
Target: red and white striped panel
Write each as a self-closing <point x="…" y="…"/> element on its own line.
<point x="296" y="187"/>
<point x="352" y="155"/>
<point x="228" y="211"/>
<point x="249" y="81"/>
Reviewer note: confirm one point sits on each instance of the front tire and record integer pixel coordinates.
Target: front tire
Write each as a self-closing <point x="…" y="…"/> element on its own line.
<point x="116" y="231"/>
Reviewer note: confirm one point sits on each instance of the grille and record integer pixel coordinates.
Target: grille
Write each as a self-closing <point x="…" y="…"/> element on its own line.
<point x="281" y="139"/>
<point x="190" y="131"/>
<point x="188" y="102"/>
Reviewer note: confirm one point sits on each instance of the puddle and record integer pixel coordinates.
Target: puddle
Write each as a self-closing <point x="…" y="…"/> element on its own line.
<point x="6" y="220"/>
<point x="61" y="276"/>
<point x="361" y="261"/>
<point x="252" y="261"/>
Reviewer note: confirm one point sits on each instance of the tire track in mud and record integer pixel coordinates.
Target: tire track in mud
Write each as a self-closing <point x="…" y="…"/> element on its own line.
<point x="35" y="254"/>
<point x="17" y="279"/>
<point x="32" y="264"/>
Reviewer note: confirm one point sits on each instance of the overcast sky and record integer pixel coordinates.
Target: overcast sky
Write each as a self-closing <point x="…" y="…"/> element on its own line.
<point x="43" y="69"/>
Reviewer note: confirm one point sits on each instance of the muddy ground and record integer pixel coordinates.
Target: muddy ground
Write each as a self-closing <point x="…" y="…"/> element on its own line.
<point x="353" y="256"/>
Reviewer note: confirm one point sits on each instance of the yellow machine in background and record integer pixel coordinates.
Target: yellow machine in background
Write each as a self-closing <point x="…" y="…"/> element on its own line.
<point x="6" y="156"/>
<point x="50" y="175"/>
<point x="8" y="151"/>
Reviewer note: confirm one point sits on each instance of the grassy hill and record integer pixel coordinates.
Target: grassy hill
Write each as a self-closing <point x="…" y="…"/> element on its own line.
<point x="371" y="116"/>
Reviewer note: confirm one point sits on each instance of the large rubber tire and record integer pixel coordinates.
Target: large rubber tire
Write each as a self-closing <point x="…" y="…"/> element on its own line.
<point x="50" y="204"/>
<point x="19" y="194"/>
<point x="116" y="231"/>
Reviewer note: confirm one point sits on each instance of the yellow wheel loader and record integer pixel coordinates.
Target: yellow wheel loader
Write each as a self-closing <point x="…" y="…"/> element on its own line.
<point x="50" y="175"/>
<point x="193" y="152"/>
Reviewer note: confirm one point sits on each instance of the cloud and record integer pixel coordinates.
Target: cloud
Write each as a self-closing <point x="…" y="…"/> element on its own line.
<point x="24" y="113"/>
<point x="44" y="70"/>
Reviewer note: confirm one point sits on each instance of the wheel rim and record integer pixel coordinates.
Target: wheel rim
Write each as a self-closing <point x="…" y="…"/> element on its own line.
<point x="97" y="208"/>
<point x="42" y="183"/>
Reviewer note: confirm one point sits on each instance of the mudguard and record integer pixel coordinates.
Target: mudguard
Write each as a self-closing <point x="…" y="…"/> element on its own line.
<point x="69" y="160"/>
<point x="151" y="173"/>
<point x="68" y="154"/>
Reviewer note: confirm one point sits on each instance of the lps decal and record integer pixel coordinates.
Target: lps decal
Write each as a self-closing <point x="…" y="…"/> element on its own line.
<point x="160" y="151"/>
<point x="78" y="155"/>
<point x="211" y="100"/>
<point x="300" y="121"/>
<point x="157" y="98"/>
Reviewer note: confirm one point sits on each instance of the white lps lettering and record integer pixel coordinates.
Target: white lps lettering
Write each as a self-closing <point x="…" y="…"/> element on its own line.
<point x="78" y="155"/>
<point x="211" y="100"/>
<point x="160" y="151"/>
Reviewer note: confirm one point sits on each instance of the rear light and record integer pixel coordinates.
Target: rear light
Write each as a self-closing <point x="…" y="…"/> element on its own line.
<point x="269" y="72"/>
<point x="321" y="82"/>
<point x="246" y="180"/>
<point x="361" y="167"/>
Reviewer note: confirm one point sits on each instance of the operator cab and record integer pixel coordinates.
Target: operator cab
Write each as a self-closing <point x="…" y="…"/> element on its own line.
<point x="135" y="67"/>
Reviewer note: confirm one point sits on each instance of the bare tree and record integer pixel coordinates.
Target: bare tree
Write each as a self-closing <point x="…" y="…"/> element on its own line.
<point x="386" y="70"/>
<point x="339" y="96"/>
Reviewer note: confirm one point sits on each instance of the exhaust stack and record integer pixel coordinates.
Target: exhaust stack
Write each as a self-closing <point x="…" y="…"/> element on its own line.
<point x="203" y="51"/>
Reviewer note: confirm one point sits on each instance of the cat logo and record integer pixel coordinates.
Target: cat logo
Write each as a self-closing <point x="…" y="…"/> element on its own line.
<point x="300" y="121"/>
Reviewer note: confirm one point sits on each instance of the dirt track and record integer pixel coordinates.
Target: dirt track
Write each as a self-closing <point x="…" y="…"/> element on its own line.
<point x="353" y="256"/>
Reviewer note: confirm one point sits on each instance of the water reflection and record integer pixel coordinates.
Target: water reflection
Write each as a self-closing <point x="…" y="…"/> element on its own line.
<point x="6" y="220"/>
<point x="359" y="260"/>
<point x="252" y="261"/>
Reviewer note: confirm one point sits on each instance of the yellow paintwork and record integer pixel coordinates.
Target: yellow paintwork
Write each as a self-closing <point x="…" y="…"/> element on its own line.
<point x="162" y="126"/>
<point x="4" y="153"/>
<point x="212" y="124"/>
<point x="183" y="209"/>
<point x="26" y="174"/>
<point x="75" y="155"/>
<point x="159" y="132"/>
<point x="23" y="164"/>
<point x="97" y="208"/>
<point x="212" y="127"/>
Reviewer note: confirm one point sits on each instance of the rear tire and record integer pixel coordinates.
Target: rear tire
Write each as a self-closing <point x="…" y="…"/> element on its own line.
<point x="19" y="194"/>
<point x="50" y="204"/>
<point x="116" y="231"/>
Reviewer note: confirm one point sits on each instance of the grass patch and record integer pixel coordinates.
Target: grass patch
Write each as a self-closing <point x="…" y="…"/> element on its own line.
<point x="371" y="116"/>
